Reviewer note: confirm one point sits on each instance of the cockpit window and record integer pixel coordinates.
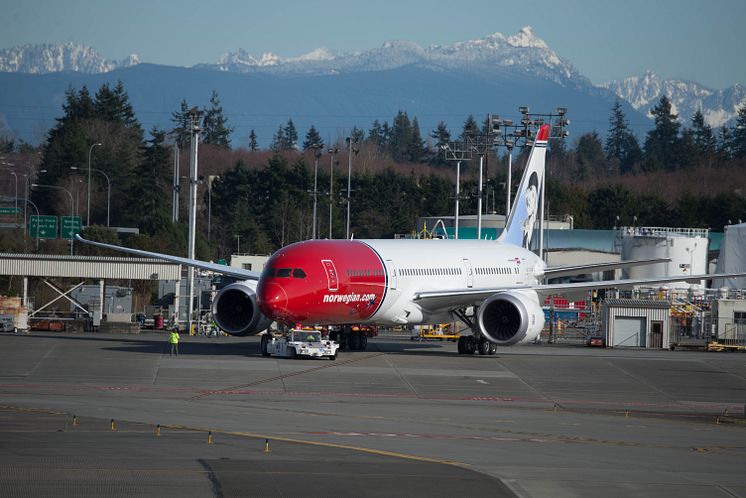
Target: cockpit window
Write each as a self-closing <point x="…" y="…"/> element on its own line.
<point x="283" y="272"/>
<point x="299" y="273"/>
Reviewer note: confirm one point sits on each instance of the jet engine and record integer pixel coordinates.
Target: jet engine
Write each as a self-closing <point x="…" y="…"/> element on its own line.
<point x="235" y="311"/>
<point x="508" y="318"/>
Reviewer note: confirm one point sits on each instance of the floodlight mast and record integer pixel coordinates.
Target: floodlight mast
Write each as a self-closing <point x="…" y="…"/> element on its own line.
<point x="456" y="151"/>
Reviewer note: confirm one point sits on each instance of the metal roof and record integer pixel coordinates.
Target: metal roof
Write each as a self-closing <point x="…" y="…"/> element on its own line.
<point x="637" y="303"/>
<point x="96" y="267"/>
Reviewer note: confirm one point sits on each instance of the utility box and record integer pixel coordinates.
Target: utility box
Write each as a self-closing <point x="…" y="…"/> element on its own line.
<point x="729" y="320"/>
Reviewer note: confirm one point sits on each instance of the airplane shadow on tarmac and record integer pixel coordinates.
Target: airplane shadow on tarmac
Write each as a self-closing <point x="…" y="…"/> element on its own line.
<point x="222" y="346"/>
<point x="158" y="344"/>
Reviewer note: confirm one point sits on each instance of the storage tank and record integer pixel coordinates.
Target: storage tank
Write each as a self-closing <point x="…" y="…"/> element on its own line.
<point x="685" y="247"/>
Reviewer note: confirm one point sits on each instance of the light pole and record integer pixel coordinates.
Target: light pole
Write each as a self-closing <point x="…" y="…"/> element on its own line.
<point x="316" y="155"/>
<point x="108" y="191"/>
<point x="458" y="193"/>
<point x="88" y="211"/>
<point x="350" y="141"/>
<point x="479" y="198"/>
<point x="195" y="129"/>
<point x="509" y="144"/>
<point x="210" y="179"/>
<point x="72" y="208"/>
<point x="331" y="188"/>
<point x="15" y="175"/>
<point x="28" y="201"/>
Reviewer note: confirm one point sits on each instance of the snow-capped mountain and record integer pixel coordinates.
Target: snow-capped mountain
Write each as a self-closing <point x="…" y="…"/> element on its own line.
<point x="50" y="58"/>
<point x="523" y="52"/>
<point x="643" y="93"/>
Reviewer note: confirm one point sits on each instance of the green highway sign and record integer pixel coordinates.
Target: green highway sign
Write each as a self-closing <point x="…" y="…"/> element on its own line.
<point x="10" y="210"/>
<point x="43" y="227"/>
<point x="70" y="226"/>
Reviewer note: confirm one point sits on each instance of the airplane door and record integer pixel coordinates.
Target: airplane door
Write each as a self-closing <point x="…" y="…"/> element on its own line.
<point x="331" y="274"/>
<point x="469" y="273"/>
<point x="392" y="273"/>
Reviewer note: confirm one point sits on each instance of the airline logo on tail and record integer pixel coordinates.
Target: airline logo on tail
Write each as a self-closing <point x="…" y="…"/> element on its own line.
<point x="525" y="210"/>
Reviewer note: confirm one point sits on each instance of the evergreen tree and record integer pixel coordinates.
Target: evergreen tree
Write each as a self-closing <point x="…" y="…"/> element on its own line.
<point x="738" y="142"/>
<point x="291" y="136"/>
<point x="704" y="140"/>
<point x="386" y="133"/>
<point x="471" y="129"/>
<point x="661" y="142"/>
<point x="77" y="106"/>
<point x="313" y="140"/>
<point x="401" y="136"/>
<point x="215" y="131"/>
<point x="108" y="119"/>
<point x="147" y="195"/>
<point x="441" y="137"/>
<point x="621" y="143"/>
<point x="375" y="135"/>
<point x="725" y="144"/>
<point x="416" y="145"/>
<point x="252" y="141"/>
<point x="687" y="150"/>
<point x="357" y="134"/>
<point x="182" y="124"/>
<point x="114" y="105"/>
<point x="589" y="156"/>
<point x="279" y="141"/>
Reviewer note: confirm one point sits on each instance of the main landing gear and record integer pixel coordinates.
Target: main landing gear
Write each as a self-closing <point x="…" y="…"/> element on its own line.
<point x="469" y="344"/>
<point x="349" y="339"/>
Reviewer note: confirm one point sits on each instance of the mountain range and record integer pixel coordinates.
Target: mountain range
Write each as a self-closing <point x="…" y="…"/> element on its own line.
<point x="334" y="91"/>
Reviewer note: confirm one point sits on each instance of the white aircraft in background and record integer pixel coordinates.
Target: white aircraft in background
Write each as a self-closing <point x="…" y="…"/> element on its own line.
<point x="494" y="286"/>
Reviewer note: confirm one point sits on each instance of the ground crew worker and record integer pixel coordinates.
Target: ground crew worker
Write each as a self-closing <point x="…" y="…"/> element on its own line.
<point x="173" y="339"/>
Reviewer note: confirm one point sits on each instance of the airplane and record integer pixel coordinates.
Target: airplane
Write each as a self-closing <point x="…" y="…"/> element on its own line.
<point x="495" y="287"/>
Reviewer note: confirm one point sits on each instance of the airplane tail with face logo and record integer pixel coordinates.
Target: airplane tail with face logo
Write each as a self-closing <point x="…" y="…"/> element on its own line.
<point x="525" y="210"/>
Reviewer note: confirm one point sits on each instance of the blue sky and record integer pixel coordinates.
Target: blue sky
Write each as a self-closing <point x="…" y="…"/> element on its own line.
<point x="697" y="40"/>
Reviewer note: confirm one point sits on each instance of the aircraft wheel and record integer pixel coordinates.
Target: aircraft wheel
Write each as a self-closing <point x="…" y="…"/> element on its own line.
<point x="363" y="341"/>
<point x="471" y="345"/>
<point x="483" y="346"/>
<point x="354" y="341"/>
<point x="461" y="345"/>
<point x="342" y="338"/>
<point x="493" y="348"/>
<point x="264" y="343"/>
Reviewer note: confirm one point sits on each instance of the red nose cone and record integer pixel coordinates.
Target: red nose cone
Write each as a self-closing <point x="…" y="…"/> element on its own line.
<point x="272" y="299"/>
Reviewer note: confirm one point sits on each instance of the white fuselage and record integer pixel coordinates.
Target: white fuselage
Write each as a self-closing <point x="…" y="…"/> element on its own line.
<point x="414" y="266"/>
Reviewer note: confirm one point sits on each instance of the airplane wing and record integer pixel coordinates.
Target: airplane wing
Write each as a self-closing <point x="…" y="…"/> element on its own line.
<point x="563" y="271"/>
<point x="195" y="263"/>
<point x="449" y="299"/>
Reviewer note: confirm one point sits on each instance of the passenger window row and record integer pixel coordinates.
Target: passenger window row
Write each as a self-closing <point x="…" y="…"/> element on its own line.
<point x="365" y="273"/>
<point x="416" y="272"/>
<point x="496" y="270"/>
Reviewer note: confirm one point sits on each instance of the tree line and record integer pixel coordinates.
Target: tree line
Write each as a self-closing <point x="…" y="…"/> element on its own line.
<point x="265" y="196"/>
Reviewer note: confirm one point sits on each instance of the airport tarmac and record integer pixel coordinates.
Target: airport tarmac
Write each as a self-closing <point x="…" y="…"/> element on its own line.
<point x="404" y="417"/>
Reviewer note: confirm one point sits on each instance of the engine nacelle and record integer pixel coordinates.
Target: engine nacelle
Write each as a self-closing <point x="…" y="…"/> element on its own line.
<point x="508" y="318"/>
<point x="235" y="311"/>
